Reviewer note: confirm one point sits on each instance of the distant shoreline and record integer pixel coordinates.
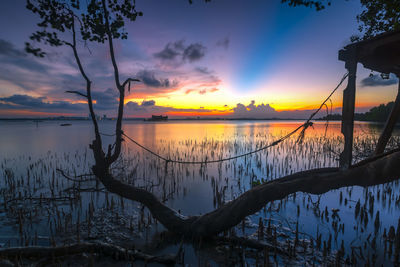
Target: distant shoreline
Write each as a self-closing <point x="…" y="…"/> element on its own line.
<point x="177" y="119"/>
<point x="144" y="119"/>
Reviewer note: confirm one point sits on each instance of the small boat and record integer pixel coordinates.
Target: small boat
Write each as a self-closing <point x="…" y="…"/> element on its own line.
<point x="65" y="124"/>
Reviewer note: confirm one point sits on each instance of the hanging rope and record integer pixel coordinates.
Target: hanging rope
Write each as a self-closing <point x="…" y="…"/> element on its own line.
<point x="223" y="159"/>
<point x="304" y="127"/>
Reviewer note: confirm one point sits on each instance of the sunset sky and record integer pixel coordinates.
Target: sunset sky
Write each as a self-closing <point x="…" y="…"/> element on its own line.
<point x="258" y="59"/>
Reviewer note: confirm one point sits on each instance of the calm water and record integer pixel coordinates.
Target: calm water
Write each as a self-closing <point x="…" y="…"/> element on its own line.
<point x="36" y="149"/>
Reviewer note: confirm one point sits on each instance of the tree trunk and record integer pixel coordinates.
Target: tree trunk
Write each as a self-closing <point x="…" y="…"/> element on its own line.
<point x="370" y="172"/>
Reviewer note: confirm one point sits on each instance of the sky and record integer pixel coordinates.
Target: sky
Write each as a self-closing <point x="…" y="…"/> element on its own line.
<point x="225" y="58"/>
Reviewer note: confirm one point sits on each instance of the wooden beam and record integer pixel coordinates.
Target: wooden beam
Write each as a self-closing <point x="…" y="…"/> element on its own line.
<point x="389" y="125"/>
<point x="349" y="96"/>
<point x="379" y="53"/>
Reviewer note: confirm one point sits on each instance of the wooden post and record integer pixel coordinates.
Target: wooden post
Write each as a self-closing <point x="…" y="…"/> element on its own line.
<point x="349" y="97"/>
<point x="389" y="125"/>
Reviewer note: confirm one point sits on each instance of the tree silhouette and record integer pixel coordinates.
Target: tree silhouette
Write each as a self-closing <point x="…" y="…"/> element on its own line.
<point x="98" y="21"/>
<point x="379" y="16"/>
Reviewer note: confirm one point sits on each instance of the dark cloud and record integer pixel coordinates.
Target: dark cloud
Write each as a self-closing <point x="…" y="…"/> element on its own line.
<point x="203" y="70"/>
<point x="194" y="52"/>
<point x="376" y="80"/>
<point x="24" y="71"/>
<point x="14" y="57"/>
<point x="106" y="100"/>
<point x="8" y="49"/>
<point x="177" y="52"/>
<point x="211" y="79"/>
<point x="143" y="109"/>
<point x="170" y="51"/>
<point x="148" y="78"/>
<point x="202" y="91"/>
<point x="23" y="100"/>
<point x="38" y="104"/>
<point x="223" y="42"/>
<point x="131" y="105"/>
<point x="207" y="79"/>
<point x="148" y="103"/>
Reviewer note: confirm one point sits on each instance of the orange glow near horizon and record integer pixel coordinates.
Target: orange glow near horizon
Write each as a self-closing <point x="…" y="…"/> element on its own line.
<point x="221" y="103"/>
<point x="198" y="114"/>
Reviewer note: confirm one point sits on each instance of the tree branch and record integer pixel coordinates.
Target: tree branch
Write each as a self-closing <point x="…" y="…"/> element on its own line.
<point x="97" y="143"/>
<point x="111" y="46"/>
<point x="382" y="170"/>
<point x="77" y="92"/>
<point x="118" y="128"/>
<point x="129" y="80"/>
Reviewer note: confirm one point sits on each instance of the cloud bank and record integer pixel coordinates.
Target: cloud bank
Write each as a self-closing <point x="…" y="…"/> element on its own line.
<point x="377" y="80"/>
<point x="265" y="111"/>
<point x="177" y="53"/>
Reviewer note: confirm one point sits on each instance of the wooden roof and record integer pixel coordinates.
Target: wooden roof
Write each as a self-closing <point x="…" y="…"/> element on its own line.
<point x="381" y="53"/>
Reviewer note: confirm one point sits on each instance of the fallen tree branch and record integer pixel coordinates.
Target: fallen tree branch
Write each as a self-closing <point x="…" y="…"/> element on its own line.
<point x="116" y="252"/>
<point x="318" y="181"/>
<point x="375" y="157"/>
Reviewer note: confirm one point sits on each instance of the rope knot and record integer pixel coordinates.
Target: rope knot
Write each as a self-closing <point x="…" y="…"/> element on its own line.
<point x="308" y="124"/>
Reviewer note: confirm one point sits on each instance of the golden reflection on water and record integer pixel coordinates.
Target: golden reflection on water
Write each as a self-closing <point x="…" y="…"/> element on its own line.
<point x="149" y="133"/>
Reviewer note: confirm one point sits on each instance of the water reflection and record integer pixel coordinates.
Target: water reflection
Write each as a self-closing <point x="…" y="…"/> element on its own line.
<point x="199" y="189"/>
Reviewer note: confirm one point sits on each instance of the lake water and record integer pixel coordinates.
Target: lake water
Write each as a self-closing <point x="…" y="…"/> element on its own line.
<point x="32" y="151"/>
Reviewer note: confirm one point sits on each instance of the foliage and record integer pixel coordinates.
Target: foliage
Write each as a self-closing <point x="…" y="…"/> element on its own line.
<point x="58" y="17"/>
<point x="379" y="16"/>
<point x="377" y="114"/>
<point x="318" y="5"/>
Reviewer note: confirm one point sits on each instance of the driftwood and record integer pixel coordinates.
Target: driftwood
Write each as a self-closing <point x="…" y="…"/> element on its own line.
<point x="116" y="252"/>
<point x="379" y="170"/>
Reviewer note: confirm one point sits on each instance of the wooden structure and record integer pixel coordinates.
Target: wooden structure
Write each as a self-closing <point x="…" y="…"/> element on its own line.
<point x="381" y="54"/>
